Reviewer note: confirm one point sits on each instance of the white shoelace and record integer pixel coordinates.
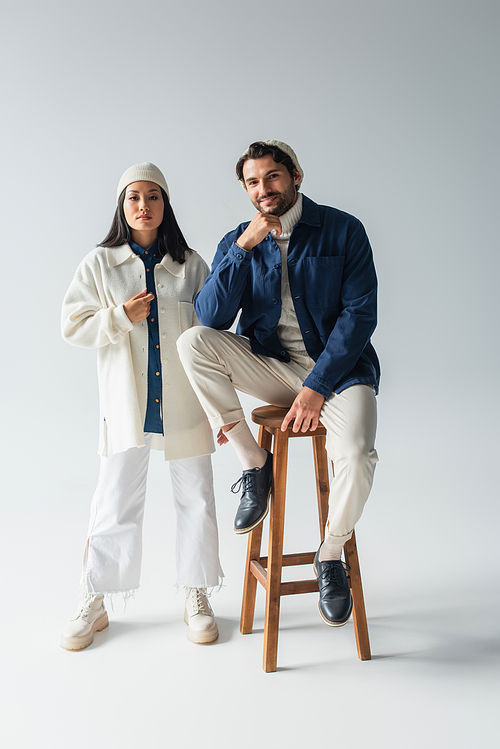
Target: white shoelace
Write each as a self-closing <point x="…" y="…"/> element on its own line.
<point x="199" y="600"/>
<point x="85" y="606"/>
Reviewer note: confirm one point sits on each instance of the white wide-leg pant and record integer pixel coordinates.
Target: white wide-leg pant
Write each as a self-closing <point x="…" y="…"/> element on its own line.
<point x="113" y="553"/>
<point x="218" y="363"/>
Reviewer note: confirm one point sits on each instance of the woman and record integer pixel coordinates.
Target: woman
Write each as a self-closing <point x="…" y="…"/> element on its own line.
<point x="131" y="298"/>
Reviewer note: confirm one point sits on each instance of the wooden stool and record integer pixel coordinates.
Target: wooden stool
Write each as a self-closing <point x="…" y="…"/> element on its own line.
<point x="267" y="570"/>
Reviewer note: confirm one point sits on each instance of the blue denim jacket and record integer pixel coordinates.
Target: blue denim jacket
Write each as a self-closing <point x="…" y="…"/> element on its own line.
<point x="334" y="289"/>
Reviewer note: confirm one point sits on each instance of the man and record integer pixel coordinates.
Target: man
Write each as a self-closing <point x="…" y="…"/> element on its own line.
<point x="303" y="277"/>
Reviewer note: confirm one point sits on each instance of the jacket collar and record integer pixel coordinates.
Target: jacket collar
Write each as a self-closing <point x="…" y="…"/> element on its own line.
<point x="118" y="255"/>
<point x="310" y="212"/>
<point x="173" y="267"/>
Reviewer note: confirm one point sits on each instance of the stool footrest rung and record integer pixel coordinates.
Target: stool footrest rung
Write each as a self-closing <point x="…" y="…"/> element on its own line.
<point x="298" y="586"/>
<point x="259" y="572"/>
<point x="292" y="560"/>
<point x="289" y="588"/>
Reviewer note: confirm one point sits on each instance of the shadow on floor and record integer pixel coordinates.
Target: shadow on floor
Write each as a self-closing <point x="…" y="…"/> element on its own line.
<point x="462" y="635"/>
<point x="228" y="627"/>
<point x="438" y="633"/>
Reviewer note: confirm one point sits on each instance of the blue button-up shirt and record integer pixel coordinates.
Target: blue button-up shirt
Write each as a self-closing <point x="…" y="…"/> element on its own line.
<point x="153" y="421"/>
<point x="334" y="290"/>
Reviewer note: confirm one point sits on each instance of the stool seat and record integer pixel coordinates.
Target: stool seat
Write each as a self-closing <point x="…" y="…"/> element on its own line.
<point x="272" y="416"/>
<point x="267" y="570"/>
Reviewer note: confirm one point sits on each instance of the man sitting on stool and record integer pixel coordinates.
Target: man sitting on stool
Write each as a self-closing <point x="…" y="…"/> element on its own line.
<point x="303" y="277"/>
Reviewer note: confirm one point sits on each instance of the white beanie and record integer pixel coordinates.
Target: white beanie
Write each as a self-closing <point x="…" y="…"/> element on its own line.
<point x="286" y="149"/>
<point x="145" y="172"/>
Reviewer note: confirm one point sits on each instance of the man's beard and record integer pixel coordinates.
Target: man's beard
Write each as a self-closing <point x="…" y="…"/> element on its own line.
<point x="282" y="205"/>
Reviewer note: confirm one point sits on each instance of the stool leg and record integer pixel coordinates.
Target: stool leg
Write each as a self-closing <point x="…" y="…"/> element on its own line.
<point x="322" y="482"/>
<point x="253" y="553"/>
<point x="275" y="558"/>
<point x="358" y="601"/>
<point x="250" y="584"/>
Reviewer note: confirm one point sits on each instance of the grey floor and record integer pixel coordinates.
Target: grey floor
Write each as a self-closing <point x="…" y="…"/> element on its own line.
<point x="432" y="682"/>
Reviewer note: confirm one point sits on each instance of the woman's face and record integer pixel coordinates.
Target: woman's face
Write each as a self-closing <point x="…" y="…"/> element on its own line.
<point x="143" y="208"/>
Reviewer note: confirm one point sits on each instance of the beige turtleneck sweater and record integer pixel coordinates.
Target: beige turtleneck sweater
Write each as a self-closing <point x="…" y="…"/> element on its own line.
<point x="288" y="326"/>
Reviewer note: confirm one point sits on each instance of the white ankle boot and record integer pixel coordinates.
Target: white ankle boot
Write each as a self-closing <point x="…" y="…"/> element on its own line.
<point x="90" y="618"/>
<point x="198" y="615"/>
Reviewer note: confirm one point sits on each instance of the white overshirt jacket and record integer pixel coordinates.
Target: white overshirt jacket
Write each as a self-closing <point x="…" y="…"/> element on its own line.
<point x="93" y="317"/>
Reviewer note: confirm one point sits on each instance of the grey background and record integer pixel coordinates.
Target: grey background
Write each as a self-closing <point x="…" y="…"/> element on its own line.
<point x="392" y="108"/>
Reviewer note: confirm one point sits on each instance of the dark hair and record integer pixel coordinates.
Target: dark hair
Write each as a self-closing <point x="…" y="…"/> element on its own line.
<point x="170" y="238"/>
<point x="258" y="150"/>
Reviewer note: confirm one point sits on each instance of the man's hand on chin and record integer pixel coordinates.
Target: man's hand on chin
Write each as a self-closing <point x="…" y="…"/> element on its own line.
<point x="305" y="410"/>
<point x="258" y="228"/>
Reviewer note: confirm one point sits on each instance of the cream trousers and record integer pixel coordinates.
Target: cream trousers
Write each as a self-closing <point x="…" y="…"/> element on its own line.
<point x="113" y="554"/>
<point x="218" y="363"/>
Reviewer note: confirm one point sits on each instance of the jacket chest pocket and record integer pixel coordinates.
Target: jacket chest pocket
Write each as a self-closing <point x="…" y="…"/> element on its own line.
<point x="323" y="281"/>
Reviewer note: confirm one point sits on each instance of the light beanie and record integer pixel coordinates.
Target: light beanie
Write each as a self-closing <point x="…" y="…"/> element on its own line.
<point x="145" y="172"/>
<point x="286" y="149"/>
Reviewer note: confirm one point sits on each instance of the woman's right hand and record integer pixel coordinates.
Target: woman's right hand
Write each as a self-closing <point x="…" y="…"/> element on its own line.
<point x="137" y="308"/>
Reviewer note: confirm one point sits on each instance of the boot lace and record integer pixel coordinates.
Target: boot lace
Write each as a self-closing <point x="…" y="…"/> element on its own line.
<point x="85" y="606"/>
<point x="200" y="602"/>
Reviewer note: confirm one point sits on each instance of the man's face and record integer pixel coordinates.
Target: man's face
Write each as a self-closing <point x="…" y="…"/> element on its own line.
<point x="269" y="185"/>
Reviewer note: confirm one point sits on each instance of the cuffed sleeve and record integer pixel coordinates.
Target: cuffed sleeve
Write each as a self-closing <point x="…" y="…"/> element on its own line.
<point x="219" y="301"/>
<point x="86" y="323"/>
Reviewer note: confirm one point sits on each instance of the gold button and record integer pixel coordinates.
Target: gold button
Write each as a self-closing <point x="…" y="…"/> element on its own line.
<point x="146" y="252"/>
<point x="157" y="346"/>
<point x="152" y="319"/>
<point x="157" y="400"/>
<point x="157" y="374"/>
<point x="147" y="270"/>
